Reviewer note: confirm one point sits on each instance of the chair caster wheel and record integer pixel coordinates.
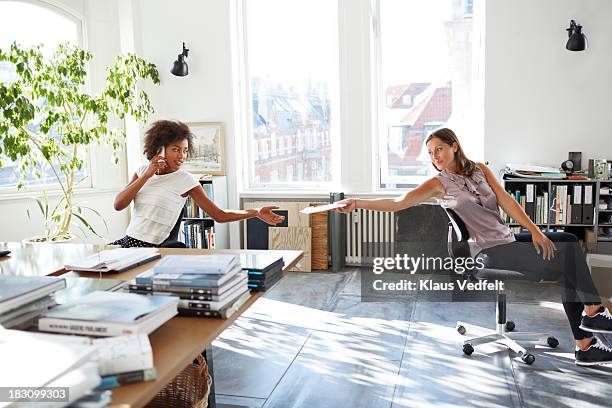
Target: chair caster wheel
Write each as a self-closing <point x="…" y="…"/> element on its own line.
<point x="510" y="325"/>
<point x="461" y="330"/>
<point x="528" y="358"/>
<point x="552" y="342"/>
<point x="468" y="349"/>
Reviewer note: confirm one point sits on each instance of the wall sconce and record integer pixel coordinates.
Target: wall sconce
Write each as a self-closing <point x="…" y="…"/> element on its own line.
<point x="577" y="40"/>
<point x="179" y="68"/>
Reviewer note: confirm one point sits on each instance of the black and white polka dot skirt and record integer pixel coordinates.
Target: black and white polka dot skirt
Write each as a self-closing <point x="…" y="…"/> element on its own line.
<point x="129" y="242"/>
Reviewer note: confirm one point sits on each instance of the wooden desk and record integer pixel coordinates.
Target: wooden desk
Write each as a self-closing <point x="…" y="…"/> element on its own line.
<point x="178" y="341"/>
<point x="42" y="259"/>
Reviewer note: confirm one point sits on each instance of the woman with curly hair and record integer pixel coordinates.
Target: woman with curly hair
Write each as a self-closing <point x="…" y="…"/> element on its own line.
<point x="160" y="189"/>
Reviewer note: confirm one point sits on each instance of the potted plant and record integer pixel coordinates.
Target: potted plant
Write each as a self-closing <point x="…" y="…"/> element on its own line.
<point x="48" y="118"/>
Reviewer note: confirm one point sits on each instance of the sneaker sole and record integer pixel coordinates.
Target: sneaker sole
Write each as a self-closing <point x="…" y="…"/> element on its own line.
<point x="589" y="329"/>
<point x="584" y="363"/>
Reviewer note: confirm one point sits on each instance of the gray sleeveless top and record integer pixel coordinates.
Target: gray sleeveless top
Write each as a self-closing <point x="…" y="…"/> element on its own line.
<point x="475" y="202"/>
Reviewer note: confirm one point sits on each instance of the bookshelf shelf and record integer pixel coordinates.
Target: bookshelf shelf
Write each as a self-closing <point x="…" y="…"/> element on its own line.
<point x="198" y="230"/>
<point x="553" y="203"/>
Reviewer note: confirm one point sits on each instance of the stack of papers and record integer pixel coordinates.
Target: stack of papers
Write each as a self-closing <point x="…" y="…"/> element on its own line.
<point x="532" y="171"/>
<point x="114" y="260"/>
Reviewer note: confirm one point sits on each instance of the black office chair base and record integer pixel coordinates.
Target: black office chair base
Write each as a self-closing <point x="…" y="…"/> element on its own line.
<point x="504" y="337"/>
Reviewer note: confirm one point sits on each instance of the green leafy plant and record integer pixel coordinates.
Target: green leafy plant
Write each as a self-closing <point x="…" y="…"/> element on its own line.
<point x="48" y="118"/>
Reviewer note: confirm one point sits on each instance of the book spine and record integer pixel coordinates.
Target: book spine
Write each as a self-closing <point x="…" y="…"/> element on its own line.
<point x="89" y="328"/>
<point x="187" y="282"/>
<point x="186" y="304"/>
<point x="200" y="313"/>
<point x="117" y="380"/>
<point x="184" y="296"/>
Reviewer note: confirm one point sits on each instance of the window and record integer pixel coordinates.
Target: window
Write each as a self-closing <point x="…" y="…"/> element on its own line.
<point x="426" y="59"/>
<point x="292" y="71"/>
<point x="28" y="24"/>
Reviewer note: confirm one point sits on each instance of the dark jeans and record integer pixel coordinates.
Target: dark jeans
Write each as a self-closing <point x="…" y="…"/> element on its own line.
<point x="568" y="266"/>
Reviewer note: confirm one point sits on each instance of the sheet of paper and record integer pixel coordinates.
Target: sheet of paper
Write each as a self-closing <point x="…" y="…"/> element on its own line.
<point x="322" y="208"/>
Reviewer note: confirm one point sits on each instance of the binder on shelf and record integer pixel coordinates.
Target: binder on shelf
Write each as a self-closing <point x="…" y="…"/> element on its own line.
<point x="553" y="209"/>
<point x="577" y="205"/>
<point x="587" y="207"/>
<point x="530" y="201"/>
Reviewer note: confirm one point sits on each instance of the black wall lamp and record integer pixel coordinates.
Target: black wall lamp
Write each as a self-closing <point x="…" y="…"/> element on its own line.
<point x="577" y="40"/>
<point x="179" y="68"/>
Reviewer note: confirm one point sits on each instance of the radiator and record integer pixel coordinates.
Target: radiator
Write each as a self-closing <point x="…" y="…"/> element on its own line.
<point x="369" y="227"/>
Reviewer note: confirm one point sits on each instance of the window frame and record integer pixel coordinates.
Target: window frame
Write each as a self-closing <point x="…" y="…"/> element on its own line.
<point x="53" y="189"/>
<point x="380" y="103"/>
<point x="249" y="183"/>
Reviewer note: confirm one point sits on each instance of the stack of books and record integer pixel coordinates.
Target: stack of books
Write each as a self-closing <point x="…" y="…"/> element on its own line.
<point x="120" y="360"/>
<point x="263" y="270"/>
<point x="24" y="298"/>
<point x="114" y="260"/>
<point x="109" y="314"/>
<point x="38" y="360"/>
<point x="206" y="285"/>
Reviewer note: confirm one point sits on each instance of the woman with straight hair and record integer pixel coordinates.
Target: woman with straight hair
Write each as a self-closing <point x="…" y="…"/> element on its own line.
<point x="472" y="191"/>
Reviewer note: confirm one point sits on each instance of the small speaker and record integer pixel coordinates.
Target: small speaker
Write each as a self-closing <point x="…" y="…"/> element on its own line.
<point x="576" y="157"/>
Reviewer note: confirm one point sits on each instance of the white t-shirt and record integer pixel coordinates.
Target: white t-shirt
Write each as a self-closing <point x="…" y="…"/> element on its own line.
<point x="158" y="205"/>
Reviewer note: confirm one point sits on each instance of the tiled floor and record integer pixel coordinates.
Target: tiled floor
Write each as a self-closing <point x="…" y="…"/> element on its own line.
<point x="311" y="342"/>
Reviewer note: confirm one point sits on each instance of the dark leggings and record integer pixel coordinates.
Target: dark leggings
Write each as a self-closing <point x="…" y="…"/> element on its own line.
<point x="568" y="266"/>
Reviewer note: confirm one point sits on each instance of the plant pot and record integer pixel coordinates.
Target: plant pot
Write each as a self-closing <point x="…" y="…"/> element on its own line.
<point x="41" y="239"/>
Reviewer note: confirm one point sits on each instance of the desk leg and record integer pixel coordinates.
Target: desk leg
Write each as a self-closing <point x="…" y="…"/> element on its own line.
<point x="208" y="356"/>
<point x="212" y="402"/>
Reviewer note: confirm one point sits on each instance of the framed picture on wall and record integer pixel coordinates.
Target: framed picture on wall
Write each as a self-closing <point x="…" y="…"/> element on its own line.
<point x="208" y="152"/>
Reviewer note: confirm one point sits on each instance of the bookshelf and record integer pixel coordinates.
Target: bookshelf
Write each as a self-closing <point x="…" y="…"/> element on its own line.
<point x="582" y="207"/>
<point x="198" y="230"/>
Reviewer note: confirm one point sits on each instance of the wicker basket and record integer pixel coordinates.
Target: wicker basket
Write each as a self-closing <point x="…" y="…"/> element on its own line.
<point x="188" y="389"/>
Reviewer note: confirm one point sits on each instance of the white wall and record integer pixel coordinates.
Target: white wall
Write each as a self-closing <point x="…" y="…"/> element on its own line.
<point x="542" y="101"/>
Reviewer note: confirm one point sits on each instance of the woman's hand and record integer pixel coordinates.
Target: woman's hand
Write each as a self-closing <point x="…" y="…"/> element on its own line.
<point x="156" y="166"/>
<point x="541" y="241"/>
<point x="266" y="215"/>
<point x="350" y="205"/>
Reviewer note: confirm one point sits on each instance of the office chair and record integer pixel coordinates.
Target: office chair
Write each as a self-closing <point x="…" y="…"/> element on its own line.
<point x="172" y="240"/>
<point x="503" y="334"/>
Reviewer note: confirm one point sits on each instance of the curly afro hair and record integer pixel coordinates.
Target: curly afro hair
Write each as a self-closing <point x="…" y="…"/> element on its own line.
<point x="164" y="132"/>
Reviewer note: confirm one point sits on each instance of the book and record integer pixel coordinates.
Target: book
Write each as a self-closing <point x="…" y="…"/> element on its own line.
<point x="222" y="314"/>
<point x="123" y="354"/>
<point x="258" y="286"/>
<point x="80" y="381"/>
<point x="145" y="282"/>
<point x="16" y="291"/>
<point x="25" y="349"/>
<point x="38" y="305"/>
<point x="167" y="290"/>
<point x="77" y="286"/>
<point x="218" y="264"/>
<point x="260" y="262"/>
<point x="209" y="305"/>
<point x="110" y="314"/>
<point x="117" y="380"/>
<point x="194" y="280"/>
<point x="114" y="260"/>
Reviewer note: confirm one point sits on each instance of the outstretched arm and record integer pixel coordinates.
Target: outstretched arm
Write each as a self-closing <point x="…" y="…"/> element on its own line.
<point x="264" y="213"/>
<point x="431" y="188"/>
